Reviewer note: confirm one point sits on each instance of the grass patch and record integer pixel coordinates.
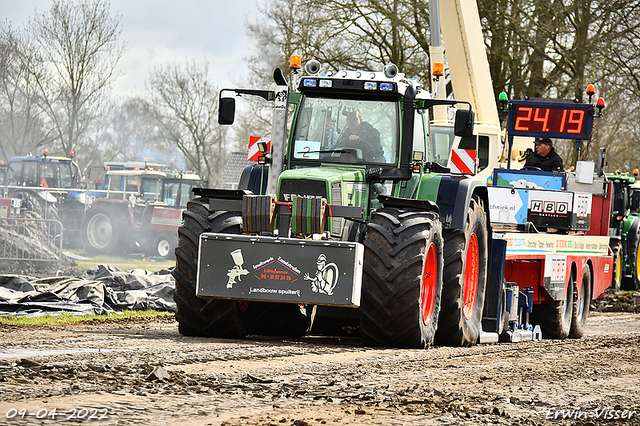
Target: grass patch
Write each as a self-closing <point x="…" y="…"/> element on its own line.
<point x="67" y="318"/>
<point x="126" y="263"/>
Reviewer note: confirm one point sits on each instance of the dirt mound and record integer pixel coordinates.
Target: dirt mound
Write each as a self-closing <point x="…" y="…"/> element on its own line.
<point x="615" y="301"/>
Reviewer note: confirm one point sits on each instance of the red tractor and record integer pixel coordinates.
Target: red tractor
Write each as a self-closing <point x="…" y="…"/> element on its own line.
<point x="139" y="210"/>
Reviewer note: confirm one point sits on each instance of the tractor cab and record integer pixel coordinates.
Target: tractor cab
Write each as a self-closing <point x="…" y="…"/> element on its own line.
<point x="44" y="172"/>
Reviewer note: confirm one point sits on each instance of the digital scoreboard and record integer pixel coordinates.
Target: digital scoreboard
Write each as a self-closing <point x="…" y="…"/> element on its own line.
<point x="563" y="120"/>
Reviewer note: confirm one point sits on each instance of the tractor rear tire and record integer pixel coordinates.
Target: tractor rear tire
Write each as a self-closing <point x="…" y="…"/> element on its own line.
<point x="402" y="282"/>
<point x="197" y="316"/>
<point x="581" y="304"/>
<point x="30" y="201"/>
<point x="104" y="231"/>
<point x="465" y="277"/>
<point x="633" y="282"/>
<point x="555" y="317"/>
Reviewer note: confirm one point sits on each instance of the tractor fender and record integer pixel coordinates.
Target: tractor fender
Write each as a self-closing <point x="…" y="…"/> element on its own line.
<point x="45" y="196"/>
<point x="254" y="178"/>
<point x="79" y="196"/>
<point x="454" y="198"/>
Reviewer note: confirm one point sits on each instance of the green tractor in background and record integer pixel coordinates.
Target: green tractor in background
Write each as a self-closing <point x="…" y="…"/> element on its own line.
<point x="625" y="231"/>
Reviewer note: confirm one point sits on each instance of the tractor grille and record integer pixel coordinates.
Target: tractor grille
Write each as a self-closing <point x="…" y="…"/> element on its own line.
<point x="336" y="200"/>
<point x="292" y="187"/>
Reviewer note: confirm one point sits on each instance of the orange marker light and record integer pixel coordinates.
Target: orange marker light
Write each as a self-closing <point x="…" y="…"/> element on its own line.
<point x="295" y="62"/>
<point x="438" y="69"/>
<point x="591" y="90"/>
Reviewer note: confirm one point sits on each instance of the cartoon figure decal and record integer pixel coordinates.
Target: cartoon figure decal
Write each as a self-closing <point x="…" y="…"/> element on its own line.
<point x="326" y="276"/>
<point x="238" y="270"/>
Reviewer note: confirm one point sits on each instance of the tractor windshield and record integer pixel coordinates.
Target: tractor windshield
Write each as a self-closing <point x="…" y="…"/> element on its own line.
<point x="353" y="131"/>
<point x="176" y="193"/>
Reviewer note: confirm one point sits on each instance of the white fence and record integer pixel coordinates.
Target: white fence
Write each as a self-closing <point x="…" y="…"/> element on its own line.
<point x="31" y="240"/>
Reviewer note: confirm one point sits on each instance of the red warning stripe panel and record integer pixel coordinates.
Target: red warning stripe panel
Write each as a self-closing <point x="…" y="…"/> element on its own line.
<point x="463" y="161"/>
<point x="252" y="151"/>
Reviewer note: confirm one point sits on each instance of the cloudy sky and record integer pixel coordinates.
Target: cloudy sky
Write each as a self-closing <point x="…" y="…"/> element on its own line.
<point x="158" y="32"/>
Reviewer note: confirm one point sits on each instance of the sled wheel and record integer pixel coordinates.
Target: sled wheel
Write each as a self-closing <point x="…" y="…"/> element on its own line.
<point x="581" y="304"/>
<point x="402" y="282"/>
<point x="616" y="277"/>
<point x="465" y="277"/>
<point x="197" y="316"/>
<point x="554" y="317"/>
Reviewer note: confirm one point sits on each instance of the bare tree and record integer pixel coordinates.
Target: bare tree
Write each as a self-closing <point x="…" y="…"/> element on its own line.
<point x="78" y="43"/>
<point x="340" y="34"/>
<point x="185" y="105"/>
<point x="21" y="119"/>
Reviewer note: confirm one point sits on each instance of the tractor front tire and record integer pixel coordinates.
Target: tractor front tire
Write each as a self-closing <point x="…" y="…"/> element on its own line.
<point x="164" y="246"/>
<point x="402" y="281"/>
<point x="465" y="276"/>
<point x="197" y="316"/>
<point x="618" y="265"/>
<point x="633" y="282"/>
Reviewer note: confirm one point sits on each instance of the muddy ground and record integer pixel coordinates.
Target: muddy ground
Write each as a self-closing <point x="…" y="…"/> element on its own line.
<point x="143" y="372"/>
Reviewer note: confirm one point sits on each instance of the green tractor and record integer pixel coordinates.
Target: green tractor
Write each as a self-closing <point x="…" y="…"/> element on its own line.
<point x="625" y="231"/>
<point x="361" y="226"/>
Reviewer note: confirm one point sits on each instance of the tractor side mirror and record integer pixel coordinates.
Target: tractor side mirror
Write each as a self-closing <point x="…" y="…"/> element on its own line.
<point x="463" y="125"/>
<point x="226" y="110"/>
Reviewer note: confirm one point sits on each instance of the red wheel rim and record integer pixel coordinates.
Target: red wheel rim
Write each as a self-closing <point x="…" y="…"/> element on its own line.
<point x="471" y="270"/>
<point x="429" y="284"/>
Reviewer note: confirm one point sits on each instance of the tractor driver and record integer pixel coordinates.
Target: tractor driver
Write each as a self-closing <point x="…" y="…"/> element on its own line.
<point x="545" y="157"/>
<point x="360" y="135"/>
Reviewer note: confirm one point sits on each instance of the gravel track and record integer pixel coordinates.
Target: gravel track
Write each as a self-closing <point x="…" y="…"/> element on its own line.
<point x="143" y="372"/>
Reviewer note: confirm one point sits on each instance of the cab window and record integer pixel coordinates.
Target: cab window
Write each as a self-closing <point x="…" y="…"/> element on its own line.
<point x="13" y="174"/>
<point x="48" y="175"/>
<point x="65" y="175"/>
<point x="30" y="174"/>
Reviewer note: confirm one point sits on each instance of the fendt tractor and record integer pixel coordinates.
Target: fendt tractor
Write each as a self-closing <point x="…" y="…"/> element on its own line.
<point x="137" y="210"/>
<point x="372" y="219"/>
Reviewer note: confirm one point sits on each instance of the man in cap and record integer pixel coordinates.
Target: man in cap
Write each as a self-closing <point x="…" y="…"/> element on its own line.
<point x="545" y="157"/>
<point x="361" y="134"/>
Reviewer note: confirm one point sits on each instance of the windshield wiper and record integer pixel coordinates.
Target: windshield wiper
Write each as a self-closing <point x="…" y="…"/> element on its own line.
<point x="329" y="151"/>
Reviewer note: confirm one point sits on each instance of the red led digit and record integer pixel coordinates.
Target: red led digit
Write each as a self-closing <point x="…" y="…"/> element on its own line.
<point x="544" y="120"/>
<point x="518" y="126"/>
<point x="576" y="116"/>
<point x="563" y="121"/>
